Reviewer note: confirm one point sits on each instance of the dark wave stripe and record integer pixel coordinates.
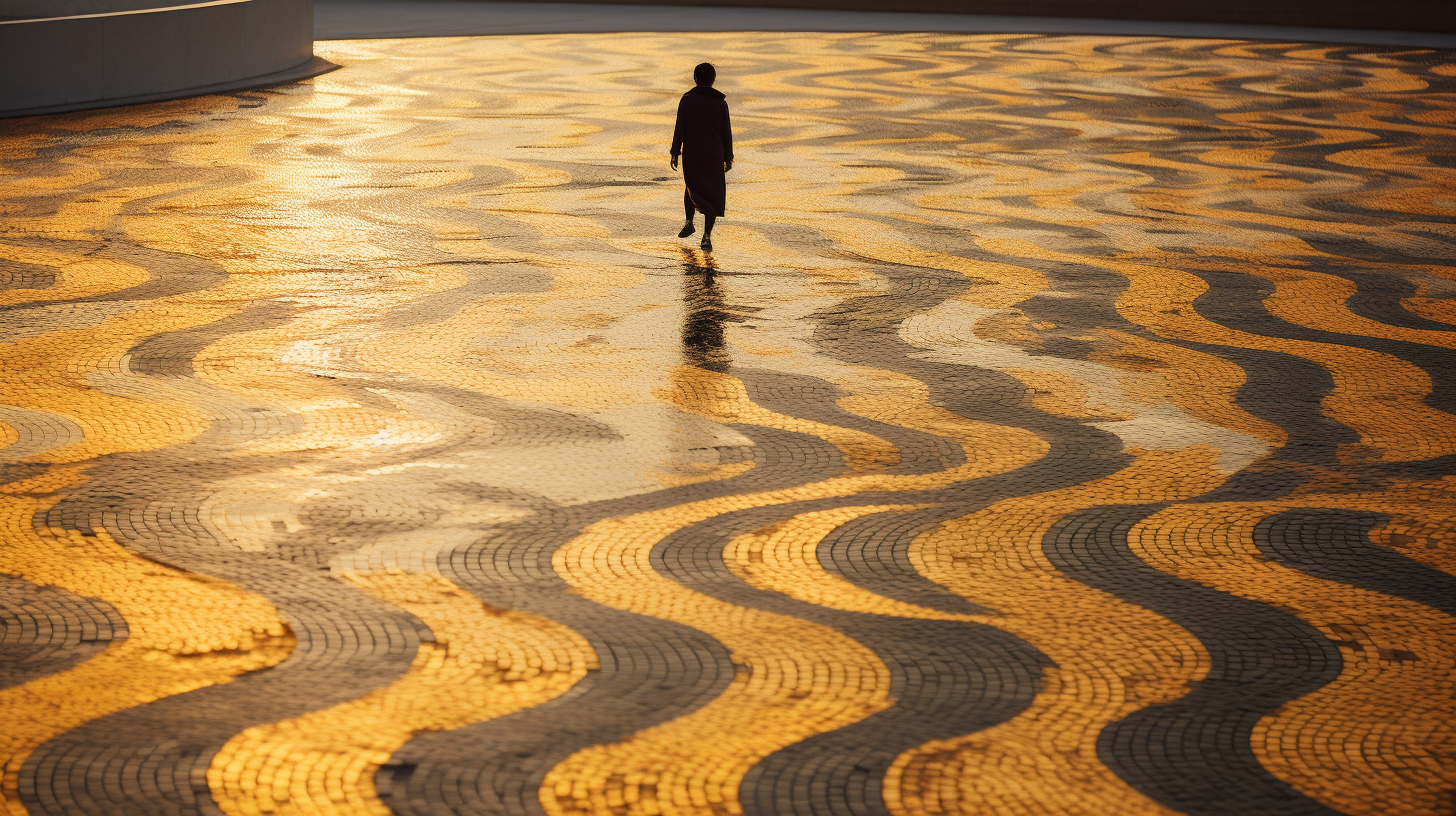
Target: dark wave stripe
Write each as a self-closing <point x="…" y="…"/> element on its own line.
<point x="1282" y="389"/>
<point x="349" y="644"/>
<point x="485" y="278"/>
<point x="847" y="551"/>
<point x="1378" y="296"/>
<point x="152" y="759"/>
<point x="947" y="684"/>
<point x="46" y="629"/>
<point x="873" y="552"/>
<point x="868" y="335"/>
<point x="1335" y="545"/>
<point x="947" y="678"/>
<point x="814" y="399"/>
<point x="517" y="425"/>
<point x="651" y="670"/>
<point x="1193" y="754"/>
<point x="18" y="275"/>
<point x="1286" y="390"/>
<point x="171" y="273"/>
<point x="1236" y="300"/>
<point x="168" y="274"/>
<point x="170" y="354"/>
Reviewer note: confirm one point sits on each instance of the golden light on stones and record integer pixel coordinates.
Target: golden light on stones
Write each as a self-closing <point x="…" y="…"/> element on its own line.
<point x="1037" y="386"/>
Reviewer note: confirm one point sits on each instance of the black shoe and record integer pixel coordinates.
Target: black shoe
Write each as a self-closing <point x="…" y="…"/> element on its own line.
<point x="706" y="243"/>
<point x="688" y="229"/>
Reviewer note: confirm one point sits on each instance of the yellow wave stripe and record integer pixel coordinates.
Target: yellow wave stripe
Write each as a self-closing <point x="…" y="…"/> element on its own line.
<point x="1379" y="396"/>
<point x="723" y="398"/>
<point x="458" y="350"/>
<point x="1317" y="300"/>
<point x="1387" y="410"/>
<point x="1061" y="394"/>
<point x="77" y="276"/>
<point x="896" y="399"/>
<point x="325" y="200"/>
<point x="1001" y="285"/>
<point x="610" y="564"/>
<point x="1396" y="692"/>
<point x="54" y="373"/>
<point x="989" y="448"/>
<point x="1358" y="401"/>
<point x="484" y="663"/>
<point x="88" y="217"/>
<point x="57" y="177"/>
<point x="1422" y="516"/>
<point x="876" y="394"/>
<point x="792" y="679"/>
<point x="783" y="558"/>
<point x="1421" y="523"/>
<point x="1200" y="383"/>
<point x="267" y="258"/>
<point x="185" y="631"/>
<point x="76" y="373"/>
<point x="1110" y="657"/>
<point x="1441" y="310"/>
<point x="1172" y="201"/>
<point x="1196" y="383"/>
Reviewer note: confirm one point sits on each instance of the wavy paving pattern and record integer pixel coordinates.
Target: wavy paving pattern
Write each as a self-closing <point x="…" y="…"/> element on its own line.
<point x="1063" y="425"/>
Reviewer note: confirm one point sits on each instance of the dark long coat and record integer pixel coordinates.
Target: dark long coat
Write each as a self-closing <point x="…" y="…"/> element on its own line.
<point x="704" y="139"/>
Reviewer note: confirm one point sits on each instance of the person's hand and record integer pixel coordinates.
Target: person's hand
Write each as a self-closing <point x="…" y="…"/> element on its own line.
<point x="728" y="165"/>
<point x="674" y="162"/>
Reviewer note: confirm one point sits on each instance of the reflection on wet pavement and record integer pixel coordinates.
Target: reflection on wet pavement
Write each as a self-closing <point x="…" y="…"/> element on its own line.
<point x="1062" y="425"/>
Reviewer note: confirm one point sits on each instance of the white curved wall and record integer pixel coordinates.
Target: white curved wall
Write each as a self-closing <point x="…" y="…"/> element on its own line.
<point x="137" y="51"/>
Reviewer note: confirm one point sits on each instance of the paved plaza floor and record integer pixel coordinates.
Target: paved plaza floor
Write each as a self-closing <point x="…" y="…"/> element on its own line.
<point x="1062" y="425"/>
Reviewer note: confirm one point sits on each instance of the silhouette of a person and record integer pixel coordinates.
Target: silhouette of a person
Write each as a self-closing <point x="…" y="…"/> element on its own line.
<point x="704" y="139"/>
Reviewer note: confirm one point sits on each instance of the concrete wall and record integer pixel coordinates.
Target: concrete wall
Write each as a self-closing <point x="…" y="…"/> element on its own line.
<point x="130" y="54"/>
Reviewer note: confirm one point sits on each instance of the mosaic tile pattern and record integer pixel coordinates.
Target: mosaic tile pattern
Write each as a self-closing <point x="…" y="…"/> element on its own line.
<point x="1063" y="425"/>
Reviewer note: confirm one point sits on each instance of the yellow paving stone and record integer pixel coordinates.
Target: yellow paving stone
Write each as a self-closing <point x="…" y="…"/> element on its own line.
<point x="483" y="663"/>
<point x="1110" y="657"/>
<point x="185" y="631"/>
<point x="411" y="349"/>
<point x="1396" y="694"/>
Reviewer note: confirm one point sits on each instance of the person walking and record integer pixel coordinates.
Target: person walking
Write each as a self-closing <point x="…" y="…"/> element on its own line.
<point x="703" y="138"/>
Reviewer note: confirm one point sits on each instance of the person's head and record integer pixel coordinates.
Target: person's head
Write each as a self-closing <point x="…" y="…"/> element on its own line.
<point x="704" y="74"/>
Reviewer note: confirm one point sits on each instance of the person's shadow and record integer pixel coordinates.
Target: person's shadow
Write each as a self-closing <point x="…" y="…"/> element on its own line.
<point x="703" y="344"/>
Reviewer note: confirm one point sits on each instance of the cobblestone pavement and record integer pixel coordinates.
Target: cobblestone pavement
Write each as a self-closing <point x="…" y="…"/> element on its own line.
<point x="1063" y="425"/>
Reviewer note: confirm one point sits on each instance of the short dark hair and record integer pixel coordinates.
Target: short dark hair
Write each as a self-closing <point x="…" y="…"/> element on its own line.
<point x="705" y="73"/>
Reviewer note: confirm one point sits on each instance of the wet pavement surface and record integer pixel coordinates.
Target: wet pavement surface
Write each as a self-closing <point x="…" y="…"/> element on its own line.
<point x="1062" y="425"/>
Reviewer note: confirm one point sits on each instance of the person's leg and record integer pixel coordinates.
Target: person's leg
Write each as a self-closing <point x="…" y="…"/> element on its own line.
<point x="708" y="221"/>
<point x="688" y="228"/>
